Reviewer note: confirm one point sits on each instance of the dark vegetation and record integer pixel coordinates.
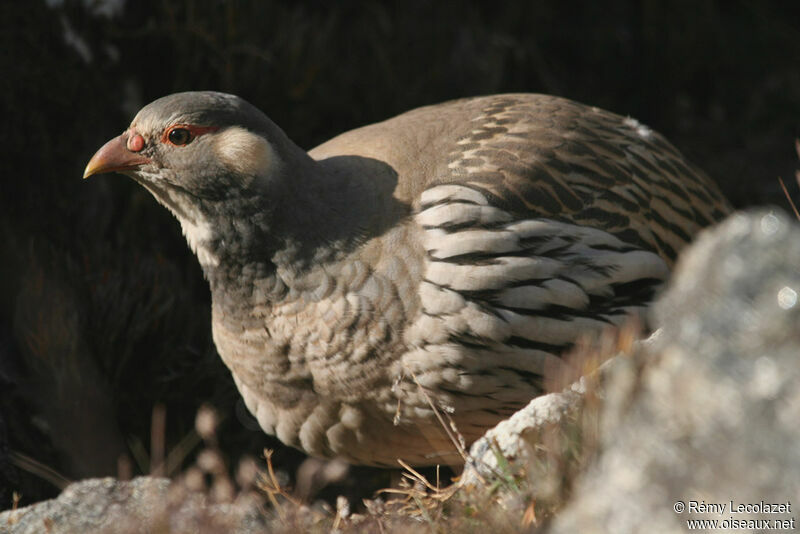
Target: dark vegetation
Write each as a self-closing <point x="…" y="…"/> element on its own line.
<point x="104" y="315"/>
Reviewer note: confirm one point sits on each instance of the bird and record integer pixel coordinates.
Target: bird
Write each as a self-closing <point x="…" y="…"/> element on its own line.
<point x="417" y="273"/>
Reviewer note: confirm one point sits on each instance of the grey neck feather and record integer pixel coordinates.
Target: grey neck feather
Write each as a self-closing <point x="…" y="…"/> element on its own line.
<point x="315" y="214"/>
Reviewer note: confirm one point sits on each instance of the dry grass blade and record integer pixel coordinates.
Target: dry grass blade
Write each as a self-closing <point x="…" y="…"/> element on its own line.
<point x="272" y="487"/>
<point x="158" y="426"/>
<point x="452" y="432"/>
<point x="797" y="179"/>
<point x="421" y="497"/>
<point x="417" y="476"/>
<point x="788" y="197"/>
<point x="39" y="469"/>
<point x="529" y="517"/>
<point x="180" y="452"/>
<point x="139" y="453"/>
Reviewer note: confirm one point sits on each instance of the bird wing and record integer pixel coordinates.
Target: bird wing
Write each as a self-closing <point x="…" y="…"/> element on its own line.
<point x="551" y="220"/>
<point x="556" y="158"/>
<point x="545" y="156"/>
<point x="540" y="219"/>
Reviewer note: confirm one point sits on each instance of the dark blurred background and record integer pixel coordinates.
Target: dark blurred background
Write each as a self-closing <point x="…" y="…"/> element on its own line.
<point x="104" y="315"/>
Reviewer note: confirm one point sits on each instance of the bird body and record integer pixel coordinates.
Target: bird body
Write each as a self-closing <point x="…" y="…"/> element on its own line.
<point x="443" y="259"/>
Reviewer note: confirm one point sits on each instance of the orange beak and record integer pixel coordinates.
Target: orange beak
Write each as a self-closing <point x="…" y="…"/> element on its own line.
<point x="114" y="156"/>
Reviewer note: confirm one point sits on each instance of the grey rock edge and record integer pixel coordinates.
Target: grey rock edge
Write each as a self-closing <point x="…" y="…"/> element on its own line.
<point x="710" y="415"/>
<point x="512" y="439"/>
<point x="145" y="504"/>
<point x="706" y="411"/>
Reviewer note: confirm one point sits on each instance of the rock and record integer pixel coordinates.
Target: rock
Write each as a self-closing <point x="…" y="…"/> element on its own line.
<point x="512" y="440"/>
<point x="528" y="436"/>
<point x="710" y="414"/>
<point x="144" y="504"/>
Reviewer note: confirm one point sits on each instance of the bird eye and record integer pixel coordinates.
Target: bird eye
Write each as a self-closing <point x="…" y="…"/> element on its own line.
<point x="179" y="136"/>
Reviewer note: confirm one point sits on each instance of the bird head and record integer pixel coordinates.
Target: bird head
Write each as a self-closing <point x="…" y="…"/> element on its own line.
<point x="202" y="154"/>
<point x="205" y="144"/>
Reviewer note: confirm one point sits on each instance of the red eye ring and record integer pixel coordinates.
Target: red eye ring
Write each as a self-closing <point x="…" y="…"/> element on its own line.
<point x="179" y="136"/>
<point x="183" y="134"/>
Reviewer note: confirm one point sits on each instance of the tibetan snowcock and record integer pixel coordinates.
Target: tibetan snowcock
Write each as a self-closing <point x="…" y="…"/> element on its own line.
<point x="442" y="258"/>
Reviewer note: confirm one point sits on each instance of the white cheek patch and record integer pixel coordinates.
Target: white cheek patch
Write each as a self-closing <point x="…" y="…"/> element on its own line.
<point x="245" y="153"/>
